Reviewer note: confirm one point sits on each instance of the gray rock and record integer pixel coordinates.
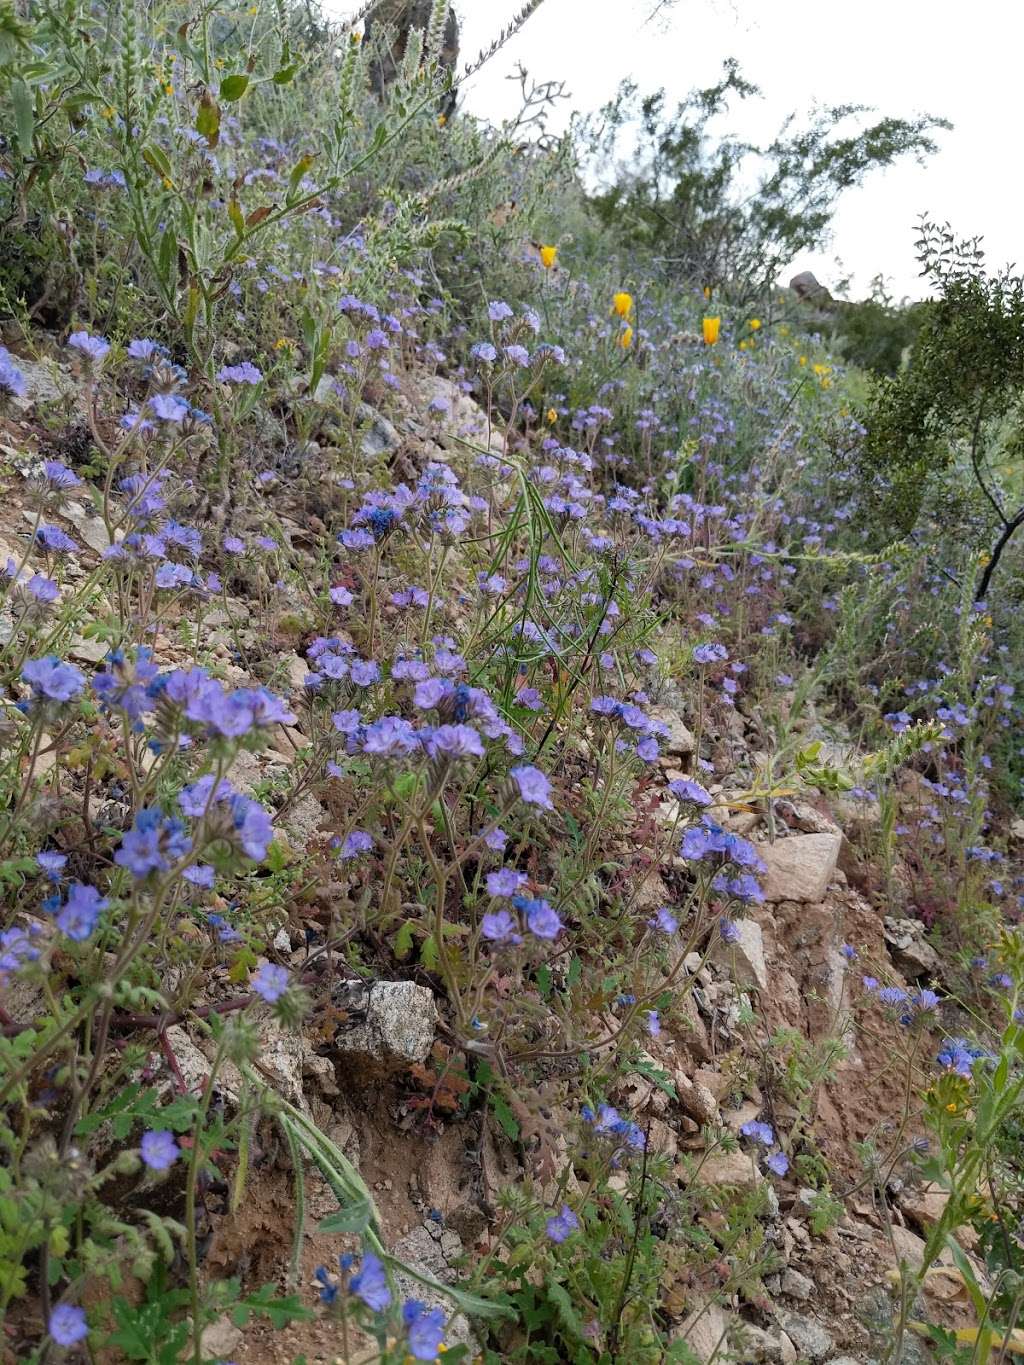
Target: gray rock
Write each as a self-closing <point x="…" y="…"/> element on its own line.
<point x="378" y="436"/>
<point x="696" y="1099"/>
<point x="759" y="1347"/>
<point x="908" y="947"/>
<point x="397" y="1027"/>
<point x="704" y="1332"/>
<point x="806" y="285"/>
<point x="797" y="1286"/>
<point x="744" y="958"/>
<point x="91" y="528"/>
<point x="434" y="1250"/>
<point x="220" y="1339"/>
<point x="800" y="867"/>
<point x="302" y="821"/>
<point x="680" y="741"/>
<point x="807" y="1335"/>
<point x="44" y="380"/>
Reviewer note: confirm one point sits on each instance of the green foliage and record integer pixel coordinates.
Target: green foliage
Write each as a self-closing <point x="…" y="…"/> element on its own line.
<point x="877" y="333"/>
<point x="957" y="406"/>
<point x="686" y="194"/>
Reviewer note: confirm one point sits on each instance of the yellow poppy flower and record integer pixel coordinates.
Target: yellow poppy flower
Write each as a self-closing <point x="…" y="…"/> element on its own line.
<point x="626" y="338"/>
<point x="707" y="291"/>
<point x="442" y="119"/>
<point x="552" y="416"/>
<point x="754" y="324"/>
<point x="622" y="303"/>
<point x="711" y="328"/>
<point x="548" y="255"/>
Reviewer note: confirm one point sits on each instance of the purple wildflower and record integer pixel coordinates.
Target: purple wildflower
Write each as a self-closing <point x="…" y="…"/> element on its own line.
<point x="92" y="348"/>
<point x="371" y="1284"/>
<point x="270" y="982"/>
<point x="245" y="373"/>
<point x="424" y="1328"/>
<point x="67" y="1325"/>
<point x="777" y="1163"/>
<point x="562" y="1225"/>
<point x="81" y="910"/>
<point x="158" y="1149"/>
<point x="534" y="786"/>
<point x="52" y="680"/>
<point x="505" y="883"/>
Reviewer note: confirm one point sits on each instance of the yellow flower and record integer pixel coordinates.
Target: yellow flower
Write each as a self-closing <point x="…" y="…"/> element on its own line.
<point x="783" y="331"/>
<point x="548" y="254"/>
<point x="951" y="1108"/>
<point x="552" y="416"/>
<point x="109" y="112"/>
<point x="754" y="324"/>
<point x="622" y="303"/>
<point x="711" y="328"/>
<point x="282" y="343"/>
<point x="744" y="345"/>
<point x="442" y="119"/>
<point x="707" y="291"/>
<point x="168" y="89"/>
<point x="801" y="360"/>
<point x="626" y="338"/>
<point x="820" y="369"/>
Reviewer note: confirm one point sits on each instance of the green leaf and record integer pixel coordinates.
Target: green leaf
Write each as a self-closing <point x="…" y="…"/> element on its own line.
<point x="660" y="1078"/>
<point x="504" y="1115"/>
<point x="280" y="1311"/>
<point x="208" y="119"/>
<point x="286" y="75"/>
<point x="298" y="171"/>
<point x="571" y="1320"/>
<point x="168" y="259"/>
<point x="24" y="115"/>
<point x="356" y="1218"/>
<point x="402" y="942"/>
<point x="234" y="87"/>
<point x="157" y="159"/>
<point x="235" y="215"/>
<point x="544" y="980"/>
<point x="428" y="952"/>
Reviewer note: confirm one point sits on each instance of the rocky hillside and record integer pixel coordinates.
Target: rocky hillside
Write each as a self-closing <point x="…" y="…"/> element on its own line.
<point x="494" y="867"/>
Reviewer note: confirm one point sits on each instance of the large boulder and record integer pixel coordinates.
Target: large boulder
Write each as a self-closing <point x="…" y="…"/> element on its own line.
<point x="800" y="867"/>
<point x="807" y="287"/>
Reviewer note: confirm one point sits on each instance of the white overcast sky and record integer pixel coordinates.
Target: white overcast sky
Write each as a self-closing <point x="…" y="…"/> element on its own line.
<point x="945" y="57"/>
